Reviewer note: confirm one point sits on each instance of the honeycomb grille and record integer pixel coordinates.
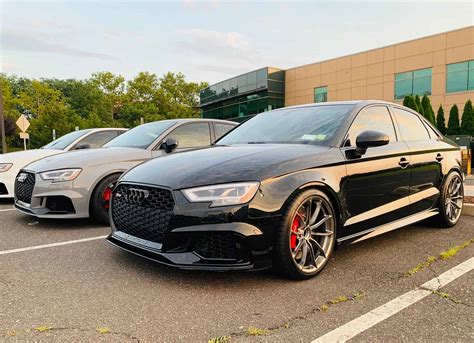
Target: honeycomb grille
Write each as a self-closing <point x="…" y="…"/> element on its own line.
<point x="218" y="245"/>
<point x="24" y="189"/>
<point x="142" y="211"/>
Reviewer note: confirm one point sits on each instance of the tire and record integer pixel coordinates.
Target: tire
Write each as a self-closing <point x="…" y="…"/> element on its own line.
<point x="295" y="237"/>
<point x="99" y="206"/>
<point x="451" y="201"/>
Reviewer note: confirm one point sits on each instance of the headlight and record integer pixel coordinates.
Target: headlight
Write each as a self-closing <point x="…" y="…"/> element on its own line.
<point x="5" y="167"/>
<point x="60" y="175"/>
<point x="223" y="195"/>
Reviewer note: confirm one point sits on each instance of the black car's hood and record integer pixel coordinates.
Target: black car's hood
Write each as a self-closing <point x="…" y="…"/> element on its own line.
<point x="229" y="164"/>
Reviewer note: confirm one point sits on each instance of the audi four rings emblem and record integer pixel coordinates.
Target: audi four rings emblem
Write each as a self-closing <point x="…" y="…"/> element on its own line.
<point x="134" y="195"/>
<point x="22" y="177"/>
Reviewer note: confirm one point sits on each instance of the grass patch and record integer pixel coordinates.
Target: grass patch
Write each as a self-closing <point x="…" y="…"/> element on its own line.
<point x="221" y="339"/>
<point x="253" y="331"/>
<point x="444" y="255"/>
<point x="340" y="299"/>
<point x="103" y="331"/>
<point x="43" y="328"/>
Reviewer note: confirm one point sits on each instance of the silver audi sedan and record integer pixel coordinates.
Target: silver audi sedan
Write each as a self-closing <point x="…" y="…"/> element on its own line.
<point x="79" y="184"/>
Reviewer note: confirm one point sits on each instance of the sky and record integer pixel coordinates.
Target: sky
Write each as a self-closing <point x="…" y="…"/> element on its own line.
<point x="205" y="40"/>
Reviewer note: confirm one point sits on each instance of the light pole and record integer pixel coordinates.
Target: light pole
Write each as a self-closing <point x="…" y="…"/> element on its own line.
<point x="2" y="121"/>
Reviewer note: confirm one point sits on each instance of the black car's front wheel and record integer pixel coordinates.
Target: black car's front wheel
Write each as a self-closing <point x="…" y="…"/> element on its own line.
<point x="306" y="237"/>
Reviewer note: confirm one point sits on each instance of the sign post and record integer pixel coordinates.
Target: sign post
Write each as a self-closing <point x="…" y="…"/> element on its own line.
<point x="23" y="124"/>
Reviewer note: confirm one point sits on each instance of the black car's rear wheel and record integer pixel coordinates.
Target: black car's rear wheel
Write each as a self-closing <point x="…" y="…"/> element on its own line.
<point x="99" y="205"/>
<point x="451" y="200"/>
<point x="306" y="237"/>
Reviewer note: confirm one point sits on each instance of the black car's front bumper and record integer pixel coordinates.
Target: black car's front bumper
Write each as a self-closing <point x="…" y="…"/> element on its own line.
<point x="220" y="247"/>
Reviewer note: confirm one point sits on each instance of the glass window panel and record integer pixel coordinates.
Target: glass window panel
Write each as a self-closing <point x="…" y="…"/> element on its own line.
<point x="422" y="72"/>
<point x="422" y="85"/>
<point x="457" y="81"/>
<point x="471" y="64"/>
<point x="262" y="84"/>
<point x="403" y="88"/>
<point x="262" y="75"/>
<point x="252" y="78"/>
<point x="225" y="85"/>
<point x="242" y="81"/>
<point x="233" y="83"/>
<point x="403" y="76"/>
<point x="320" y="94"/>
<point x="457" y="66"/>
<point x="470" y="84"/>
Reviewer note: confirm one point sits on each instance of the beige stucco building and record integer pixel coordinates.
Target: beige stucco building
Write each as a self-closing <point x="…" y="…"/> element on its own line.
<point x="441" y="66"/>
<point x="371" y="74"/>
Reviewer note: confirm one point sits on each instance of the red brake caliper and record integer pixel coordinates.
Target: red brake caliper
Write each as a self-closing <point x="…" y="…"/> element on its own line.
<point x="294" y="231"/>
<point x="106" y="197"/>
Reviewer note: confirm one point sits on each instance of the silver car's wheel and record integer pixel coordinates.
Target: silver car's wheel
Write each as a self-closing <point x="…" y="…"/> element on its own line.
<point x="312" y="234"/>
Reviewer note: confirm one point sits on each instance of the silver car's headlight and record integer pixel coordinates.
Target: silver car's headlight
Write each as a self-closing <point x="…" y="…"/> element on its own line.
<point x="223" y="195"/>
<point x="61" y="175"/>
<point x="5" y="167"/>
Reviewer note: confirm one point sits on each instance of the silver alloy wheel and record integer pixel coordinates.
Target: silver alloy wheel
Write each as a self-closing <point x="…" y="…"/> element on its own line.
<point x="312" y="234"/>
<point x="454" y="199"/>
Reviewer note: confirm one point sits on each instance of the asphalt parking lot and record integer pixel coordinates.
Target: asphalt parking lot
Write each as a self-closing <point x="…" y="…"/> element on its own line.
<point x="89" y="290"/>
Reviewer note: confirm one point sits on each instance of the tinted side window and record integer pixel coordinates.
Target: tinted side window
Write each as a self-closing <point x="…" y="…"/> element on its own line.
<point x="411" y="127"/>
<point x="192" y="135"/>
<point x="221" y="129"/>
<point x="98" y="139"/>
<point x="375" y="118"/>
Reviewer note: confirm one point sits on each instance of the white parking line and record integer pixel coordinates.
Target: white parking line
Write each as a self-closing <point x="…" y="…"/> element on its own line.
<point x="5" y="252"/>
<point x="8" y="209"/>
<point x="370" y="319"/>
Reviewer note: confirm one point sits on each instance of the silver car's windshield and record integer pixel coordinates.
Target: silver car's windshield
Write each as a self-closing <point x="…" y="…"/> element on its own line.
<point x="300" y="125"/>
<point x="141" y="136"/>
<point x="64" y="141"/>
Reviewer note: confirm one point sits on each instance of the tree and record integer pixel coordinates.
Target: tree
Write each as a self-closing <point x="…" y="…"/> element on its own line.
<point x="419" y="107"/>
<point x="113" y="86"/>
<point x="409" y="101"/>
<point x="453" y="122"/>
<point x="428" y="110"/>
<point x="441" y="121"/>
<point x="467" y="123"/>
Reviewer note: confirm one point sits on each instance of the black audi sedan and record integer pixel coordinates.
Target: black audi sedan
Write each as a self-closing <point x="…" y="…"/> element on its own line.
<point x="284" y="188"/>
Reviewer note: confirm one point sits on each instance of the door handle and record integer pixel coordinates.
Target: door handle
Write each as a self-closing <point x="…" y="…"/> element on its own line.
<point x="403" y="163"/>
<point x="439" y="157"/>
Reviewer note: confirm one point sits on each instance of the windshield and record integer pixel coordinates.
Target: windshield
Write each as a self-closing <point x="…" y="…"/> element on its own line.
<point x="304" y="125"/>
<point x="141" y="136"/>
<point x="64" y="141"/>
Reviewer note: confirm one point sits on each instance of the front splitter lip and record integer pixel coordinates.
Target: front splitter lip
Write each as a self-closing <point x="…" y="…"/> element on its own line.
<point x="164" y="258"/>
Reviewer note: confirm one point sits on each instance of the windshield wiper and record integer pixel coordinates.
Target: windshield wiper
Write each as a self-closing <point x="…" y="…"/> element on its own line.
<point x="257" y="142"/>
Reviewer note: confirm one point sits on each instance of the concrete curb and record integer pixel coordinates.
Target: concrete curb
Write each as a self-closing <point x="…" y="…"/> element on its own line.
<point x="468" y="210"/>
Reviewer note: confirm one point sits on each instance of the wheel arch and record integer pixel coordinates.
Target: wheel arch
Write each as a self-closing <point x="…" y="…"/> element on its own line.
<point x="97" y="182"/>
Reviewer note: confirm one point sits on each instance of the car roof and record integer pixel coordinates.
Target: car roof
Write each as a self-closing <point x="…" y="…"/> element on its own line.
<point x="105" y="129"/>
<point x="360" y="103"/>
<point x="188" y="120"/>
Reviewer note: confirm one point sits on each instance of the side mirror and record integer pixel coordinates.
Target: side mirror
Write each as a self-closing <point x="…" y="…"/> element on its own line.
<point x="169" y="145"/>
<point x="82" y="146"/>
<point x="369" y="139"/>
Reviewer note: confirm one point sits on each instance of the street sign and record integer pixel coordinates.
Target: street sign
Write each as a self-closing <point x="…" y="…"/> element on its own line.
<point x="23" y="123"/>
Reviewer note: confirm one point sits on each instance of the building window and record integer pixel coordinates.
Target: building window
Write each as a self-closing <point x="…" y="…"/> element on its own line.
<point x="460" y="77"/>
<point x="412" y="83"/>
<point x="321" y="94"/>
